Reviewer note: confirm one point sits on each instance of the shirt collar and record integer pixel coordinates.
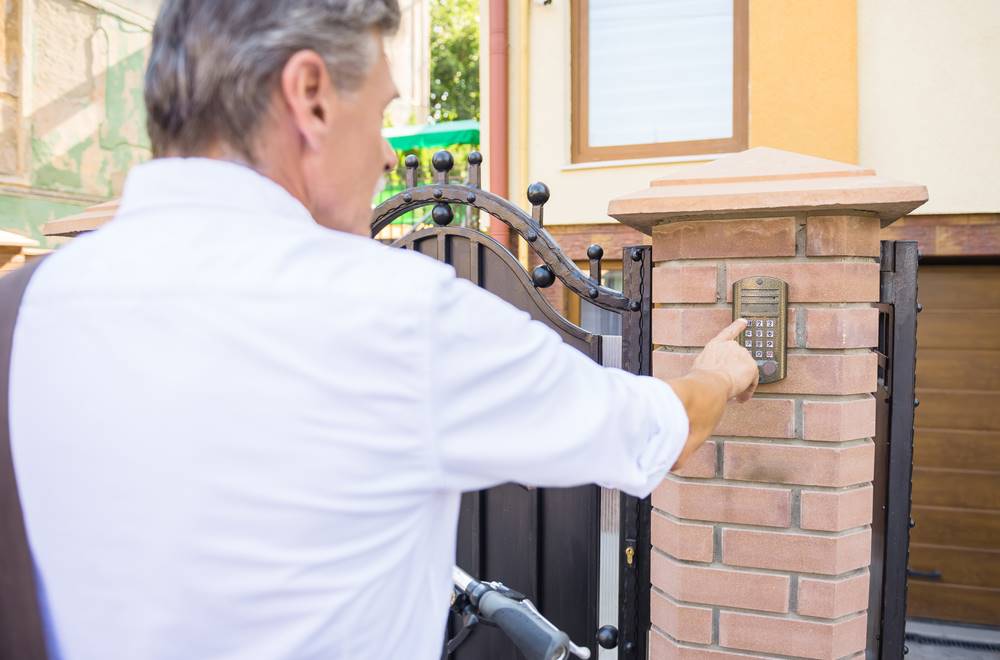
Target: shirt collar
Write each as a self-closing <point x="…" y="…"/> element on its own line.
<point x="207" y="182"/>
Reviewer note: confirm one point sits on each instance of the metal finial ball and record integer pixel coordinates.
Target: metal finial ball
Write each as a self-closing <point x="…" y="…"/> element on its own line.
<point x="442" y="214"/>
<point x="532" y="236"/>
<point x="592" y="292"/>
<point x="442" y="161"/>
<point x="538" y="193"/>
<point x="595" y="252"/>
<point x="542" y="276"/>
<point x="607" y="637"/>
<point x="411" y="161"/>
<point x="636" y="254"/>
<point x="475" y="158"/>
<point x="634" y="306"/>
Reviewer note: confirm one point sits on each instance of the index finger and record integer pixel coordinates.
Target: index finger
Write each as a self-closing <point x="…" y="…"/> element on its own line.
<point x="731" y="331"/>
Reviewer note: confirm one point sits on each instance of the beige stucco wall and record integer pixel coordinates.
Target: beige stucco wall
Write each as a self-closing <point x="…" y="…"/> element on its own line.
<point x="409" y="60"/>
<point x="929" y="107"/>
<point x="803" y="98"/>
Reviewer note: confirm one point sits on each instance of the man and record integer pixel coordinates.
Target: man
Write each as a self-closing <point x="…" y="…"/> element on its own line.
<point x="240" y="427"/>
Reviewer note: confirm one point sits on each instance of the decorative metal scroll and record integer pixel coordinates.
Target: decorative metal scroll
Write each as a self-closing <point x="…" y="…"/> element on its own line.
<point x="441" y="194"/>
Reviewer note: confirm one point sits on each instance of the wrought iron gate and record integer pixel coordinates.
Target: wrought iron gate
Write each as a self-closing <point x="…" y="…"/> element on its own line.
<point x="581" y="554"/>
<point x="891" y="522"/>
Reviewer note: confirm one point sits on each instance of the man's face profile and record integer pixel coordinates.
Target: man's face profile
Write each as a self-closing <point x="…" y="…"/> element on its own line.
<point x="341" y="148"/>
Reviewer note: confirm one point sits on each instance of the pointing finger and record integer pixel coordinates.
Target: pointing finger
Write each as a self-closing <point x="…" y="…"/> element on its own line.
<point x="731" y="331"/>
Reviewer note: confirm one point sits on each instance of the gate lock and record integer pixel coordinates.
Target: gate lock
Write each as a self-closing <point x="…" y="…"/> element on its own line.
<point x="763" y="302"/>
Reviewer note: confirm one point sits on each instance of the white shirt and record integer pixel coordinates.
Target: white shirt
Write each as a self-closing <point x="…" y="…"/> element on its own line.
<point x="240" y="435"/>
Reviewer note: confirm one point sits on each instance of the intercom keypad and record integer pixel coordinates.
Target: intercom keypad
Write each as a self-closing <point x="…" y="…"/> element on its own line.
<point x="763" y="301"/>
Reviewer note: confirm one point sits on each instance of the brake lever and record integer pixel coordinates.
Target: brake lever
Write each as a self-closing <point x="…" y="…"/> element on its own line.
<point x="462" y="606"/>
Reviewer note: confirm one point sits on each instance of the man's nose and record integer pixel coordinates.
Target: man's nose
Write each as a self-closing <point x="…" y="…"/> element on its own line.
<point x="389" y="159"/>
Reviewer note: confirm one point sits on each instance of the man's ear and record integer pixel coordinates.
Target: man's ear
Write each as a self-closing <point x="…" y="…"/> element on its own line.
<point x="308" y="91"/>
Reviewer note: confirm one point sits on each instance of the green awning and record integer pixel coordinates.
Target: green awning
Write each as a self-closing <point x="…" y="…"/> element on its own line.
<point x="442" y="134"/>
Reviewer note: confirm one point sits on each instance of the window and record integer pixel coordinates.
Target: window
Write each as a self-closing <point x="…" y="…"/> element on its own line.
<point x="658" y="78"/>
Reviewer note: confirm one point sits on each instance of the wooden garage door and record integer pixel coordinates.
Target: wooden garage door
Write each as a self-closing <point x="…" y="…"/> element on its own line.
<point x="956" y="475"/>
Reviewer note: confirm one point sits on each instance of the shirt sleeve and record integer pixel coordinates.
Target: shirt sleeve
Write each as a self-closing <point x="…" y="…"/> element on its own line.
<point x="511" y="402"/>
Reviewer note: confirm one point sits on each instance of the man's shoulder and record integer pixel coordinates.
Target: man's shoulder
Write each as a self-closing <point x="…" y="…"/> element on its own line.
<point x="361" y="262"/>
<point x="239" y="256"/>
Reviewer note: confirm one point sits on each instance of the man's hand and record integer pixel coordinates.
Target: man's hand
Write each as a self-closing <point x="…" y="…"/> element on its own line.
<point x="724" y="370"/>
<point x="727" y="358"/>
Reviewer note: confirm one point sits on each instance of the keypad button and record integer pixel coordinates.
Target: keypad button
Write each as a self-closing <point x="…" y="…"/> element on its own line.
<point x="770" y="333"/>
<point x="748" y="343"/>
<point x="749" y="333"/>
<point x="759" y="323"/>
<point x="770" y="323"/>
<point x="770" y="344"/>
<point x="770" y="354"/>
<point x="760" y="333"/>
<point x="758" y="354"/>
<point x="760" y="344"/>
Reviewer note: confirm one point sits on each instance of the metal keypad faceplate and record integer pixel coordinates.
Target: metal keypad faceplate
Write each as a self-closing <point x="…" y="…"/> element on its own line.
<point x="763" y="302"/>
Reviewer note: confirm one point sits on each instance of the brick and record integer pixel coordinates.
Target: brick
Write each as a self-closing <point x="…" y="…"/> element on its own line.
<point x="832" y="599"/>
<point x="689" y="624"/>
<point x="820" y="281"/>
<point x="845" y="327"/>
<point x="790" y="637"/>
<point x="850" y="373"/>
<point x="745" y="505"/>
<point x="836" y="421"/>
<point x="670" y="364"/>
<point x="759" y="418"/>
<point x="682" y="540"/>
<point x="835" y="511"/>
<point x="701" y="464"/>
<point x="613" y="237"/>
<point x="804" y="553"/>
<point x="689" y="326"/>
<point x="662" y="647"/>
<point x="796" y="464"/>
<point x="720" y="586"/>
<point x="791" y="332"/>
<point x="685" y="284"/>
<point x="843" y="236"/>
<point x="702" y="239"/>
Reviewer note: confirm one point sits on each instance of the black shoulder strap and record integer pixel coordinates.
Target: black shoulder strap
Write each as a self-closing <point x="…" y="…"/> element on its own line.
<point x="21" y="631"/>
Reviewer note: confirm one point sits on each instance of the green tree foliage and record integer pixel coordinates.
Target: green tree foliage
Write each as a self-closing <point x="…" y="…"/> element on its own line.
<point x="454" y="60"/>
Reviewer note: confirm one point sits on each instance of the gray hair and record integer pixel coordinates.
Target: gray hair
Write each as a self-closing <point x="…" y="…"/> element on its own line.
<point x="214" y="63"/>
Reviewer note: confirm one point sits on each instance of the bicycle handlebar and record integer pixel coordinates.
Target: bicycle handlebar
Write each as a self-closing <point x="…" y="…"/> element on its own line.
<point x="530" y="632"/>
<point x="518" y="618"/>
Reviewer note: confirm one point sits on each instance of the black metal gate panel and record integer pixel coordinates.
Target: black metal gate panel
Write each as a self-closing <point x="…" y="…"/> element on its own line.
<point x="897" y="345"/>
<point x="581" y="554"/>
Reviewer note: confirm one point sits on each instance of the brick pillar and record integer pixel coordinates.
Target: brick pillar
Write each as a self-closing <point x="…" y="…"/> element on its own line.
<point x="762" y="541"/>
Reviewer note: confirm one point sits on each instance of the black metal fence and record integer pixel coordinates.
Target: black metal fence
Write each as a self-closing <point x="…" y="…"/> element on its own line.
<point x="891" y="522"/>
<point x="581" y="554"/>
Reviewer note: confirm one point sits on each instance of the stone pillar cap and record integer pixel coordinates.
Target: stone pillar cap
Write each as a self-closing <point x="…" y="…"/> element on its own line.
<point x="765" y="181"/>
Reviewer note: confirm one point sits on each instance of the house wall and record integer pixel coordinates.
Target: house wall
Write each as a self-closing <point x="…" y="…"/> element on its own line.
<point x="70" y="105"/>
<point x="409" y="60"/>
<point x="803" y="97"/>
<point x="929" y="85"/>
